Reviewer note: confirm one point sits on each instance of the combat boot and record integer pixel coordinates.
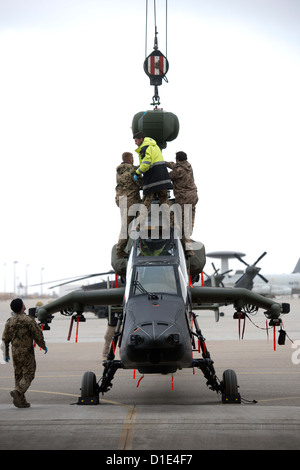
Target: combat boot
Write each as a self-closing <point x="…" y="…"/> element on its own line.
<point x="16" y="398"/>
<point x="24" y="402"/>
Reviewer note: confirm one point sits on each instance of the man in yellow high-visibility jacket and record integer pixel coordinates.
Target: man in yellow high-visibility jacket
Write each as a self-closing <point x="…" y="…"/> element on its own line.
<point x="156" y="178"/>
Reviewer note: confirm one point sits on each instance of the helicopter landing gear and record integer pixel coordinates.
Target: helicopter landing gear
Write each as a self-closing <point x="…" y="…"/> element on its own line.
<point x="89" y="390"/>
<point x="230" y="387"/>
<point x="110" y="368"/>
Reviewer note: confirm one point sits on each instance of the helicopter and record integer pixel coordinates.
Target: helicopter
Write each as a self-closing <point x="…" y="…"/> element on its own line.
<point x="157" y="327"/>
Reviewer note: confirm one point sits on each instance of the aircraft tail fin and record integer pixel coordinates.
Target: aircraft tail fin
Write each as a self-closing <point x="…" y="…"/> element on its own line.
<point x="297" y="267"/>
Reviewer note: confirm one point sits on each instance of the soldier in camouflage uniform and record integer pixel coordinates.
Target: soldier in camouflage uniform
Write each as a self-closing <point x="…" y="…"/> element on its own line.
<point x="184" y="188"/>
<point x="126" y="186"/>
<point x="21" y="330"/>
<point x="127" y="194"/>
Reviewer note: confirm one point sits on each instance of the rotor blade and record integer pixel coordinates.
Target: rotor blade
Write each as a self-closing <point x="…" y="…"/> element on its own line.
<point x="226" y="272"/>
<point x="261" y="256"/>
<point x="72" y="279"/>
<point x="240" y="259"/>
<point x="216" y="270"/>
<point x="81" y="278"/>
<point x="263" y="278"/>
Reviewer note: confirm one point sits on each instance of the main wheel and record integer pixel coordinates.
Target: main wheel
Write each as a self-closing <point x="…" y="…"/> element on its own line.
<point x="88" y="385"/>
<point x="230" y="385"/>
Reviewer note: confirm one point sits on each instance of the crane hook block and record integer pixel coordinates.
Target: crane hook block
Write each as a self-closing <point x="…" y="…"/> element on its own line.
<point x="156" y="67"/>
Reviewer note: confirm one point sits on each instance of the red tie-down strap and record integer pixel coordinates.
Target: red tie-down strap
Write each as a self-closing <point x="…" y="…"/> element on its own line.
<point x="202" y="345"/>
<point x="139" y="381"/>
<point x="77" y="327"/>
<point x="42" y="332"/>
<point x="282" y="333"/>
<point x="190" y="279"/>
<point x="239" y="316"/>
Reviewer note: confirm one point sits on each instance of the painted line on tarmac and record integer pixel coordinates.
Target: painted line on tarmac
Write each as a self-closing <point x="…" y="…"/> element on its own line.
<point x="278" y="399"/>
<point x="127" y="432"/>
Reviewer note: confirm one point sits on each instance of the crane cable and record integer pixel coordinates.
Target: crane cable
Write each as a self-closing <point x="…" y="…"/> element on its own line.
<point x="155" y="28"/>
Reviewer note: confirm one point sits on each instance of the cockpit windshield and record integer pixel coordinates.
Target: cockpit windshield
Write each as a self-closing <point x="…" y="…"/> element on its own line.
<point x="154" y="279"/>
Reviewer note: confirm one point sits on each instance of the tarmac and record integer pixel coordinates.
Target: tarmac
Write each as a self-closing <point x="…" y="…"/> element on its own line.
<point x="159" y="413"/>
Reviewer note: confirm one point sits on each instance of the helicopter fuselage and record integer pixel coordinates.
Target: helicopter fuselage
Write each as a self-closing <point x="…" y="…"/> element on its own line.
<point x="156" y="333"/>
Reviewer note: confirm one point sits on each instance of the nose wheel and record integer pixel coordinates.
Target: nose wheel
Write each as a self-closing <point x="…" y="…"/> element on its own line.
<point x="89" y="390"/>
<point x="229" y="387"/>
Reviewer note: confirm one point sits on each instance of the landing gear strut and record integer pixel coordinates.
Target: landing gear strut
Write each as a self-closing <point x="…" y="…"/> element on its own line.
<point x="228" y="387"/>
<point x="90" y="389"/>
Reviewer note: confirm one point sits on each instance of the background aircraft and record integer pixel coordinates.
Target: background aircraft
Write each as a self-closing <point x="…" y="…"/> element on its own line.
<point x="268" y="284"/>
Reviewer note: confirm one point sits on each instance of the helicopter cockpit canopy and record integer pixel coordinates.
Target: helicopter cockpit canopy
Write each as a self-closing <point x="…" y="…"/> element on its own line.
<point x="154" y="279"/>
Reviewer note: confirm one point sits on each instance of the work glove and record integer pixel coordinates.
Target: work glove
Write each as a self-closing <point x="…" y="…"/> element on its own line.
<point x="46" y="350"/>
<point x="135" y="177"/>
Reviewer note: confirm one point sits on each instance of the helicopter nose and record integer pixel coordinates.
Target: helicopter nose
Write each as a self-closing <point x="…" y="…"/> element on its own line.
<point x="154" y="356"/>
<point x="155" y="339"/>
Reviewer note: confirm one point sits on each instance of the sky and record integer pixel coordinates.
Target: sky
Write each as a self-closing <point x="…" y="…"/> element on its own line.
<point x="71" y="81"/>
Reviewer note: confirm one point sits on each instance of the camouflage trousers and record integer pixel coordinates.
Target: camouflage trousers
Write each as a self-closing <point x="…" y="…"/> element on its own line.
<point x="122" y="242"/>
<point x="162" y="196"/>
<point x="24" y="368"/>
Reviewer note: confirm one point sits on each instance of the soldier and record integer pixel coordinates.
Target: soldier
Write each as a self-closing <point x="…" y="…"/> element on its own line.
<point x="155" y="174"/>
<point x="21" y="330"/>
<point x="185" y="190"/>
<point x="127" y="194"/>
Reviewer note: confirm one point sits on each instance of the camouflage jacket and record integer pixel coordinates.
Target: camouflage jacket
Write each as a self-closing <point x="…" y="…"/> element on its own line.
<point x="184" y="187"/>
<point x="126" y="186"/>
<point x="21" y="330"/>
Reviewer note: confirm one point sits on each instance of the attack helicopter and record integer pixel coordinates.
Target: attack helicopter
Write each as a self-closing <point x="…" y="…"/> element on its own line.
<point x="157" y="329"/>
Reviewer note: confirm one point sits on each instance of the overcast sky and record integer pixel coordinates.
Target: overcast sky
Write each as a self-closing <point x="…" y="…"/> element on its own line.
<point x="71" y="81"/>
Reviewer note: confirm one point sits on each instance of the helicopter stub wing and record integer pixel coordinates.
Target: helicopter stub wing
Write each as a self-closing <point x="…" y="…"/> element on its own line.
<point x="239" y="297"/>
<point x="77" y="300"/>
